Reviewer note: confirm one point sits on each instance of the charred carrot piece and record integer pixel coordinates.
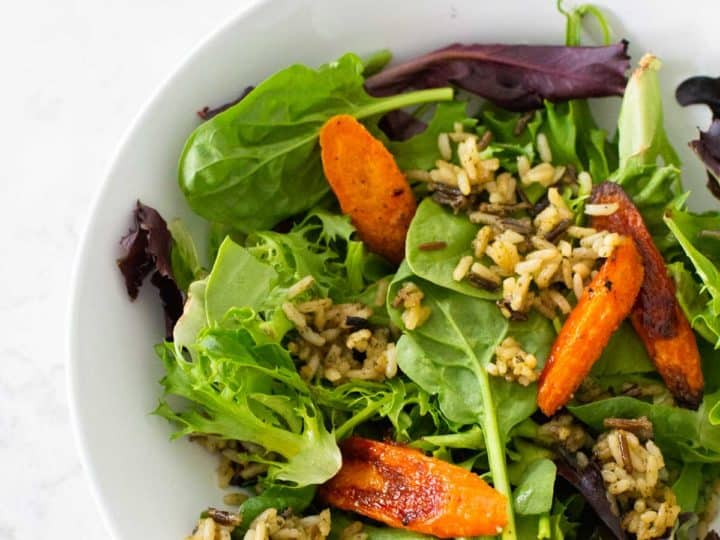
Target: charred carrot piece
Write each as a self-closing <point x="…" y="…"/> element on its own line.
<point x="607" y="300"/>
<point x="371" y="188"/>
<point x="656" y="316"/>
<point x="404" y="488"/>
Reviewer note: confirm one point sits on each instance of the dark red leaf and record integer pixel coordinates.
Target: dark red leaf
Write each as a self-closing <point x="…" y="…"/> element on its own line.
<point x="515" y="77"/>
<point x="206" y="113"/>
<point x="705" y="91"/>
<point x="400" y="125"/>
<point x="589" y="483"/>
<point x="147" y="251"/>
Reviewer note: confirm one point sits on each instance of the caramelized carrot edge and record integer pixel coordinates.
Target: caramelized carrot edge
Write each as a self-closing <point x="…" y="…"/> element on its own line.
<point x="371" y="188"/>
<point x="656" y="316"/>
<point x="403" y="488"/>
<point x="606" y="301"/>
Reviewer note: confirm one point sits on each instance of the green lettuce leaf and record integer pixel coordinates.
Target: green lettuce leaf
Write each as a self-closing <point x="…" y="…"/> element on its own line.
<point x="682" y="434"/>
<point x="262" y="152"/>
<point x="534" y="494"/>
<point x="432" y="223"/>
<point x="276" y="496"/>
<point x="688" y="230"/>
<point x="421" y="151"/>
<point x="239" y="390"/>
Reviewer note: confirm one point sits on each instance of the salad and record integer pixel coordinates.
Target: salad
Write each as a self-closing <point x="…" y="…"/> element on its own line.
<point x="440" y="301"/>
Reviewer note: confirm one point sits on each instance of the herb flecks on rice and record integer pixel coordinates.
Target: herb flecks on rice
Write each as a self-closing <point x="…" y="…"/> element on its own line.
<point x="273" y="526"/>
<point x="218" y="525"/>
<point x="541" y="262"/>
<point x="336" y="342"/>
<point x="414" y="313"/>
<point x="513" y="363"/>
<point x="635" y="478"/>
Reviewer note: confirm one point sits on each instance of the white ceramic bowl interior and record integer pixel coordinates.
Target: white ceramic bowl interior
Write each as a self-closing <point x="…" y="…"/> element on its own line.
<point x="146" y="486"/>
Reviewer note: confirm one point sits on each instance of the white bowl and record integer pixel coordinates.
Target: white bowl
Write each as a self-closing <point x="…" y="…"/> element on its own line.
<point x="146" y="486"/>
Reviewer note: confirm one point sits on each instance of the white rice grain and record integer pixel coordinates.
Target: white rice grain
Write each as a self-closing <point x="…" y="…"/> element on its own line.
<point x="444" y="146"/>
<point x="601" y="209"/>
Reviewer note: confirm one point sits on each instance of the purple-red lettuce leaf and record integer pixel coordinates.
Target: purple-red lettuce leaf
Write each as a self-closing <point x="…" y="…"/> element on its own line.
<point x="147" y="251"/>
<point x="515" y="77"/>
<point x="705" y="91"/>
<point x="589" y="483"/>
<point x="207" y="112"/>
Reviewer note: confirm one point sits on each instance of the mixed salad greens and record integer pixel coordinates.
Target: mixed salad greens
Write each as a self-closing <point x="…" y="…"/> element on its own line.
<point x="254" y="170"/>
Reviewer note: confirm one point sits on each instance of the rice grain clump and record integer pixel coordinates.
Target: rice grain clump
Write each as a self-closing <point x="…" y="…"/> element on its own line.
<point x="272" y="526"/>
<point x="236" y="466"/>
<point x="217" y="526"/>
<point x="565" y="432"/>
<point x="634" y="475"/>
<point x="541" y="262"/>
<point x="513" y="363"/>
<point x="354" y="531"/>
<point x="410" y="297"/>
<point x="338" y="343"/>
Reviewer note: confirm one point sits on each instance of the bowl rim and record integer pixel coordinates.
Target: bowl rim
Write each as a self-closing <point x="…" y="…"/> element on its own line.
<point x="79" y="435"/>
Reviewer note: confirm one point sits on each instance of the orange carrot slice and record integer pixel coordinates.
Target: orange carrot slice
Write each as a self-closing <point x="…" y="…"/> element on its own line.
<point x="371" y="188"/>
<point x="656" y="316"/>
<point x="404" y="488"/>
<point x="606" y="301"/>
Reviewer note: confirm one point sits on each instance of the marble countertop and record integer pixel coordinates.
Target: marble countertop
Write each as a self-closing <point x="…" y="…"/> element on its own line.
<point x="75" y="73"/>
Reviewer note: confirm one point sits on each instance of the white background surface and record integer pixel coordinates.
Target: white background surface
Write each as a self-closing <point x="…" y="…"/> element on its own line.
<point x="73" y="75"/>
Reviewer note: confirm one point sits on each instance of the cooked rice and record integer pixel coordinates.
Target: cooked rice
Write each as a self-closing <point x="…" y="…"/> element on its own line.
<point x="601" y="209"/>
<point x="565" y="431"/>
<point x="513" y="363"/>
<point x="236" y="465"/>
<point x="634" y="475"/>
<point x="410" y="298"/>
<point x="209" y="529"/>
<point x="543" y="263"/>
<point x="336" y="342"/>
<point x="543" y="148"/>
<point x="354" y="531"/>
<point x="300" y="287"/>
<point x="273" y="526"/>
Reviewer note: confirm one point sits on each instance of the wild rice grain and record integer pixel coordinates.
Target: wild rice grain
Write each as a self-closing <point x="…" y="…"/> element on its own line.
<point x="432" y="246"/>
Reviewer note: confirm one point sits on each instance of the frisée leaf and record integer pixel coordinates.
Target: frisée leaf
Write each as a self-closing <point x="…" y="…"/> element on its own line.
<point x="243" y="391"/>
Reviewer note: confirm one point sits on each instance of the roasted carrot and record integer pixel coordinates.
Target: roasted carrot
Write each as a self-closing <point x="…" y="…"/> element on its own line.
<point x="656" y="316"/>
<point x="607" y="300"/>
<point x="404" y="488"/>
<point x="371" y="188"/>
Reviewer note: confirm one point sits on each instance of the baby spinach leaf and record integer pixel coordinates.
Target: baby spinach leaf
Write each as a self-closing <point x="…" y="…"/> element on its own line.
<point x="434" y="223"/>
<point x="237" y="389"/>
<point x="262" y="152"/>
<point x="683" y="434"/>
<point x="515" y="77"/>
<point x="534" y="494"/>
<point x="448" y="356"/>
